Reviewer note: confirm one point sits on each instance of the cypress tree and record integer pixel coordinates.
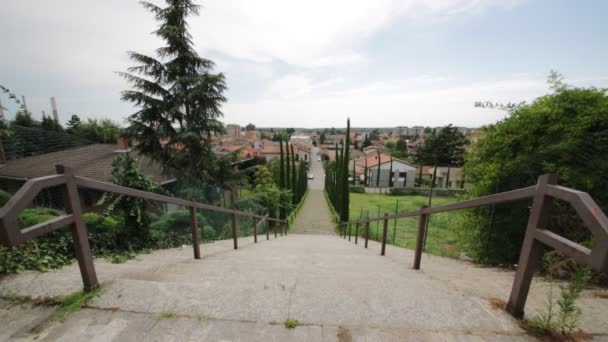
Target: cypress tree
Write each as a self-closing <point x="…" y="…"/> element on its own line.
<point x="294" y="182"/>
<point x="287" y="167"/>
<point x="281" y="176"/>
<point x="344" y="212"/>
<point x="337" y="182"/>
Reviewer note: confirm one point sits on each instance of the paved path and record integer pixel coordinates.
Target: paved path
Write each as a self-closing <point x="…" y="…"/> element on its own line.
<point x="314" y="218"/>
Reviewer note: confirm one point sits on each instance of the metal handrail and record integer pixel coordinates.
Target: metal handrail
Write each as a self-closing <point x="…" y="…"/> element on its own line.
<point x="11" y="235"/>
<point x="537" y="237"/>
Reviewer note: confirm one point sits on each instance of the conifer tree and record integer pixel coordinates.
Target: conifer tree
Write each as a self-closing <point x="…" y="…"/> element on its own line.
<point x="177" y="95"/>
<point x="287" y="166"/>
<point x="344" y="205"/>
<point x="294" y="182"/>
<point x="281" y="176"/>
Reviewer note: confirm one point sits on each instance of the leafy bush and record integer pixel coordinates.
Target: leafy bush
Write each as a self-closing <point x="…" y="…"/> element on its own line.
<point x="4" y="197"/>
<point x="209" y="233"/>
<point x="50" y="251"/>
<point x="564" y="132"/>
<point x="32" y="216"/>
<point x="177" y="221"/>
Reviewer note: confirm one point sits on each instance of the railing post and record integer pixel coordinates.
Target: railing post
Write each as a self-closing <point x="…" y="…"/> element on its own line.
<point x="366" y="232"/>
<point x="255" y="230"/>
<point x="194" y="225"/>
<point x="79" y="230"/>
<point x="356" y="232"/>
<point x="531" y="250"/>
<point x="384" y="233"/>
<point x="349" y="230"/>
<point x="286" y="227"/>
<point x="267" y="228"/>
<point x="420" y="238"/>
<point x="281" y="227"/>
<point x="234" y="231"/>
<point x="274" y="228"/>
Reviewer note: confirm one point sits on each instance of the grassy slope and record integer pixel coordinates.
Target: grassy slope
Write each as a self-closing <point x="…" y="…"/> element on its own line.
<point x="442" y="238"/>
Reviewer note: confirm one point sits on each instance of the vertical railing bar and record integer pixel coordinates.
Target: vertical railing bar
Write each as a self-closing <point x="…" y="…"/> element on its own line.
<point x="532" y="249"/>
<point x="235" y="232"/>
<point x="267" y="229"/>
<point x="366" y="233"/>
<point x="79" y="230"/>
<point x="384" y="233"/>
<point x="420" y="238"/>
<point x="255" y="230"/>
<point x="194" y="226"/>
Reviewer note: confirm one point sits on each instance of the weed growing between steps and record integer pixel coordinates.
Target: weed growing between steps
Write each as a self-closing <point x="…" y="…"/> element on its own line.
<point x="67" y="305"/>
<point x="74" y="302"/>
<point x="291" y="323"/>
<point x="561" y="318"/>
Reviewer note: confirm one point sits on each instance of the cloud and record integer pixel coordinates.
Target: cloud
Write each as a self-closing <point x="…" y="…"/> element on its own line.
<point x="419" y="101"/>
<point x="71" y="49"/>
<point x="314" y="33"/>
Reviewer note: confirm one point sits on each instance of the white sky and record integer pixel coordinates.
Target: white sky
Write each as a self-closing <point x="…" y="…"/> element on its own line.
<point x="313" y="63"/>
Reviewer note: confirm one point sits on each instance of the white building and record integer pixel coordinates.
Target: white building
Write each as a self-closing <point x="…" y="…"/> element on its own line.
<point x="403" y="173"/>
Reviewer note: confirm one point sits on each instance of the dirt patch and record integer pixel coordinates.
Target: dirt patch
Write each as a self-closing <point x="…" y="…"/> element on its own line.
<point x="344" y="335"/>
<point x="497" y="304"/>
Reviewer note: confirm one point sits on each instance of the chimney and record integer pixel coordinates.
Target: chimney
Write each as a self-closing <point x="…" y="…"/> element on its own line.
<point x="23" y="102"/>
<point x="54" y="107"/>
<point x="123" y="143"/>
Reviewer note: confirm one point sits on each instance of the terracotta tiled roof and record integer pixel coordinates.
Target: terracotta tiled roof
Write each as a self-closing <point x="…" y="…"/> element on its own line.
<point x="92" y="161"/>
<point x="271" y="149"/>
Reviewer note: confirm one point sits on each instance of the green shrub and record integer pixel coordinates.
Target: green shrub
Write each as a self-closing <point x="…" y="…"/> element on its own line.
<point x="32" y="216"/>
<point x="50" y="251"/>
<point x="97" y="223"/>
<point x="209" y="233"/>
<point x="4" y="197"/>
<point x="177" y="221"/>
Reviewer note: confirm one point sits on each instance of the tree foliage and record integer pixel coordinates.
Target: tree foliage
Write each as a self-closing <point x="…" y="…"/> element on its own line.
<point x="135" y="211"/>
<point x="178" y="96"/>
<point x="103" y="131"/>
<point x="563" y="132"/>
<point x="336" y="178"/>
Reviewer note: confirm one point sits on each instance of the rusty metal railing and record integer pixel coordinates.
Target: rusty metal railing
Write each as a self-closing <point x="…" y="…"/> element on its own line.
<point x="537" y="237"/>
<point x="11" y="235"/>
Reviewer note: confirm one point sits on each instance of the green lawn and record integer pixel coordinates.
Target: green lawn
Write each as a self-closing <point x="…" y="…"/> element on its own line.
<point x="442" y="238"/>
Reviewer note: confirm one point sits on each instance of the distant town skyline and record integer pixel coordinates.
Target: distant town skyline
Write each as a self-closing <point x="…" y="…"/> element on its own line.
<point x="383" y="63"/>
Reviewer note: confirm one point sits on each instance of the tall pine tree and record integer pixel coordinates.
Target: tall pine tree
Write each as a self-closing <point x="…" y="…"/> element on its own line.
<point x="177" y="95"/>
